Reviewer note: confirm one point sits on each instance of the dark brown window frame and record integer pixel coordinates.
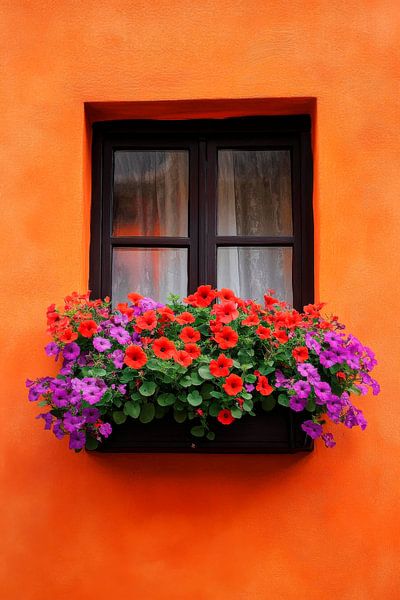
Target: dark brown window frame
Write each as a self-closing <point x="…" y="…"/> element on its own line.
<point x="203" y="138"/>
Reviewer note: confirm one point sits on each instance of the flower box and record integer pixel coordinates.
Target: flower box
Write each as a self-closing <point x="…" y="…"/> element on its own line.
<point x="274" y="432"/>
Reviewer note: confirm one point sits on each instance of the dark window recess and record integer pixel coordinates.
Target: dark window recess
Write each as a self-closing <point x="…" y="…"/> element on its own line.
<point x="228" y="202"/>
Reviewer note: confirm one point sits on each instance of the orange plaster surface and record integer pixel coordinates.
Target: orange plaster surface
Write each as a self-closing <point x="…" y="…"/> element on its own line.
<point x="198" y="527"/>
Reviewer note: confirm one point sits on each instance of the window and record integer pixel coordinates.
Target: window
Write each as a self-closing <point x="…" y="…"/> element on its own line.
<point x="180" y="203"/>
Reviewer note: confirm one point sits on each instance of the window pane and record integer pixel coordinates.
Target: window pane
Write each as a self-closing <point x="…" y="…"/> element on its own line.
<point x="251" y="271"/>
<point x="151" y="193"/>
<point x="153" y="272"/>
<point x="254" y="192"/>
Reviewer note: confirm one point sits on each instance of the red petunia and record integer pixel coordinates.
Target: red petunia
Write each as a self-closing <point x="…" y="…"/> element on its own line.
<point x="88" y="328"/>
<point x="252" y="319"/>
<point x="166" y="314"/>
<point x="164" y="348"/>
<point x="269" y="301"/>
<point x="135" y="357"/>
<point x="263" y="332"/>
<point x="185" y="318"/>
<point x="281" y="336"/>
<point x="134" y="297"/>
<point x="183" y="358"/>
<point x="221" y="366"/>
<point x="225" y="417"/>
<point x="226" y="295"/>
<point x="300" y="353"/>
<point x="263" y="386"/>
<point x="226" y="312"/>
<point x="226" y="338"/>
<point x="205" y="295"/>
<point x="233" y="385"/>
<point x="193" y="350"/>
<point x="148" y="320"/>
<point x="68" y="335"/>
<point x="189" y="335"/>
<point x="125" y="310"/>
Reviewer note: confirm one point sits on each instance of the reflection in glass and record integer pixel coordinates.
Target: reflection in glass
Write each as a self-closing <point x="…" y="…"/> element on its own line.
<point x="251" y="271"/>
<point x="150" y="195"/>
<point x="153" y="272"/>
<point x="254" y="192"/>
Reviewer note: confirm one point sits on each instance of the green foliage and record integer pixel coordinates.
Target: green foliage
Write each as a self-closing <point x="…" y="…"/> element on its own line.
<point x="194" y="398"/>
<point x="132" y="409"/>
<point x="147" y="413"/>
<point x="147" y="388"/>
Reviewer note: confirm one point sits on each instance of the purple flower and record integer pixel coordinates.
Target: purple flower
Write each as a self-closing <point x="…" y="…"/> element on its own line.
<point x="322" y="391"/>
<point x="57" y="429"/>
<point x="71" y="351"/>
<point x="77" y="440"/>
<point x="327" y="358"/>
<point x="66" y="369"/>
<point x="60" y="398"/>
<point x="355" y="417"/>
<point x="91" y="414"/>
<point x="120" y="334"/>
<point x="118" y="358"/>
<point x="47" y="418"/>
<point x="334" y="405"/>
<point x="105" y="429"/>
<point x="52" y="349"/>
<point x="72" y="422"/>
<point x="314" y="430"/>
<point x="33" y="394"/>
<point x="136" y="338"/>
<point x="302" y="389"/>
<point x="249" y="387"/>
<point x="312" y="344"/>
<point x="101" y="344"/>
<point x="122" y="388"/>
<point x="120" y="319"/>
<point x="328" y="440"/>
<point x="296" y="403"/>
<point x="280" y="380"/>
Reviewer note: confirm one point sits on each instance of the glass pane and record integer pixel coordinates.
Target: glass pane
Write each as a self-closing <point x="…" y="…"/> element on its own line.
<point x="254" y="192"/>
<point x="251" y="271"/>
<point x="151" y="193"/>
<point x="153" y="272"/>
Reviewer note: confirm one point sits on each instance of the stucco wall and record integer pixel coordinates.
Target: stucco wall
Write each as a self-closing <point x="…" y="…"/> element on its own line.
<point x="198" y="527"/>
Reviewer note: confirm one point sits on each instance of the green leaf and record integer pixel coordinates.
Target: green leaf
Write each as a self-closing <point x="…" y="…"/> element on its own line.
<point x="161" y="411"/>
<point x="98" y="372"/>
<point x="127" y="375"/>
<point x="268" y="403"/>
<point x="180" y="416"/>
<point x="197" y="431"/>
<point x="206" y="390"/>
<point x="216" y="394"/>
<point x="136" y="396"/>
<point x="248" y="405"/>
<point x="283" y="400"/>
<point x="196" y="379"/>
<point x="132" y="409"/>
<point x="210" y="436"/>
<point x="204" y="372"/>
<point x="153" y="364"/>
<point x="250" y="378"/>
<point x="213" y="409"/>
<point x="147" y="388"/>
<point x="91" y="443"/>
<point x="246" y="395"/>
<point x="42" y="403"/>
<point x="236" y="412"/>
<point x="147" y="413"/>
<point x="266" y="370"/>
<point x="166" y="399"/>
<point x="194" y="398"/>
<point x="310" y="406"/>
<point x="119" y="417"/>
<point x="185" y="381"/>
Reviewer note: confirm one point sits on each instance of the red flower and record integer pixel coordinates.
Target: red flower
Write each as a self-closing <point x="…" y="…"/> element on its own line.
<point x="281" y="336"/>
<point x="193" y="350"/>
<point x="189" y="335"/>
<point x="125" y="310"/>
<point x="135" y="357"/>
<point x="300" y="353"/>
<point x="226" y="338"/>
<point x="226" y="312"/>
<point x="205" y="295"/>
<point x="233" y="385"/>
<point x="225" y="294"/>
<point x="215" y="326"/>
<point x="166" y="313"/>
<point x="263" y="332"/>
<point x="225" y="417"/>
<point x="87" y="328"/>
<point x="164" y="348"/>
<point x="135" y="298"/>
<point x="269" y="301"/>
<point x="263" y="386"/>
<point x="251" y="320"/>
<point x="183" y="358"/>
<point x="148" y="320"/>
<point x="68" y="335"/>
<point x="221" y="366"/>
<point x="185" y="318"/>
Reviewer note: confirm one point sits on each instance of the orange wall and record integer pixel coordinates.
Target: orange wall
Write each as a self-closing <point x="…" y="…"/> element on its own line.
<point x="198" y="527"/>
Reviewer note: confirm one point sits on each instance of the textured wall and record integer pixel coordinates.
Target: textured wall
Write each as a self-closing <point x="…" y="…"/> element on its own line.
<point x="198" y="527"/>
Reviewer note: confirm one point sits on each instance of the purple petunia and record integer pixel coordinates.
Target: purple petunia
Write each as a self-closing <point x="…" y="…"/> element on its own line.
<point x="52" y="349"/>
<point x="314" y="430"/>
<point x="91" y="414"/>
<point x="101" y="344"/>
<point x="120" y="334"/>
<point x="328" y="440"/>
<point x="249" y="387"/>
<point x="118" y="359"/>
<point x="77" y="440"/>
<point x="105" y="429"/>
<point x="297" y="404"/>
<point x="302" y="389"/>
<point x="72" y="422"/>
<point x="71" y="351"/>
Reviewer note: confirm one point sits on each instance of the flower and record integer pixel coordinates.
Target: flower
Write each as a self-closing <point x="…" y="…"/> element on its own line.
<point x="164" y="348"/>
<point x="205" y="295"/>
<point x="52" y="349"/>
<point x="88" y="328"/>
<point x="226" y="295"/>
<point x="118" y="358"/>
<point x="77" y="440"/>
<point x="193" y="350"/>
<point x="101" y="344"/>
<point x="328" y="440"/>
<point x="71" y="351"/>
<point x="302" y="388"/>
<point x="300" y="353"/>
<point x="91" y="414"/>
<point x="314" y="430"/>
<point x="189" y="335"/>
<point x="120" y="334"/>
<point x="105" y="429"/>
<point x="226" y="312"/>
<point x="225" y="417"/>
<point x="147" y="321"/>
<point x="183" y="358"/>
<point x="135" y="357"/>
<point x="233" y="385"/>
<point x="221" y="366"/>
<point x="281" y="336"/>
<point x="263" y="386"/>
<point x="134" y="297"/>
<point x="263" y="332"/>
<point x="68" y="335"/>
<point x="251" y="320"/>
<point x="185" y="318"/>
<point x="226" y="338"/>
<point x="296" y="403"/>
